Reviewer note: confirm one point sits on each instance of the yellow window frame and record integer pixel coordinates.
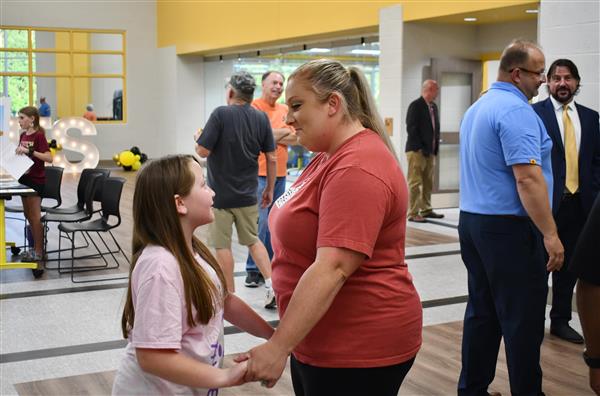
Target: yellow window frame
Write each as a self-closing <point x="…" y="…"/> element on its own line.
<point x="71" y="52"/>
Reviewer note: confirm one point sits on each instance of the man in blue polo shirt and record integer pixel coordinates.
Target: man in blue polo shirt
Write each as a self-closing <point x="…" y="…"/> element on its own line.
<point x="505" y="224"/>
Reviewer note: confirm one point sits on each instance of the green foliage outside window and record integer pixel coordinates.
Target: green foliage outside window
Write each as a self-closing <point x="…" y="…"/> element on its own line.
<point x="16" y="87"/>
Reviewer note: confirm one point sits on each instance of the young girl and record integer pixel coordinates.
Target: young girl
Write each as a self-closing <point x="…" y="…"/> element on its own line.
<point x="32" y="143"/>
<point x="177" y="298"/>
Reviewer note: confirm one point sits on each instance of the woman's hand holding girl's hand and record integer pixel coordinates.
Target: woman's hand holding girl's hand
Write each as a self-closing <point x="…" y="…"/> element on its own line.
<point x="266" y="363"/>
<point x="235" y="375"/>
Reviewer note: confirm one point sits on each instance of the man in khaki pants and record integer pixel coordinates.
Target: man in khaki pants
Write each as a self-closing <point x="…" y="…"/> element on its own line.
<point x="423" y="127"/>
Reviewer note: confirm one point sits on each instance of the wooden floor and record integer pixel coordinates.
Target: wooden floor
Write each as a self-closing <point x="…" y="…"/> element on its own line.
<point x="435" y="371"/>
<point x="414" y="237"/>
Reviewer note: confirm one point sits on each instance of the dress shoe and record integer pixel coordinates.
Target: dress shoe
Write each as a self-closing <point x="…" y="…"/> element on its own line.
<point x="433" y="215"/>
<point x="417" y="219"/>
<point x="567" y="333"/>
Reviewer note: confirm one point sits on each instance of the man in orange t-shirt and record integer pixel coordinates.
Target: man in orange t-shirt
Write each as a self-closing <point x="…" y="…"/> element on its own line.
<point x="272" y="88"/>
<point x="90" y="114"/>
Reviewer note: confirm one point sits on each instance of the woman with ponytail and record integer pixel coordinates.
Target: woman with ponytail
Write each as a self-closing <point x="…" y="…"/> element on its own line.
<point x="350" y="315"/>
<point x="33" y="143"/>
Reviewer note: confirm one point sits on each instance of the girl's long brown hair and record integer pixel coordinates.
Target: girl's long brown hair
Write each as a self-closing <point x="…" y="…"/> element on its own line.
<point x="156" y="222"/>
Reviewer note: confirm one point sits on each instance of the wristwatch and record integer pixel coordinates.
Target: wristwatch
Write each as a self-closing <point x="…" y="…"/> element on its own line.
<point x="591" y="362"/>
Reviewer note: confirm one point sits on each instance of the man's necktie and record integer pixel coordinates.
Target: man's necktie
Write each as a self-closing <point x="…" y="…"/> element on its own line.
<point x="571" y="159"/>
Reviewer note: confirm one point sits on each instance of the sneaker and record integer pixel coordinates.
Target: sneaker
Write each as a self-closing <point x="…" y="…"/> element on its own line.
<point x="31" y="256"/>
<point x="417" y="219"/>
<point x="37" y="272"/>
<point x="252" y="279"/>
<point x="27" y="256"/>
<point x="270" y="301"/>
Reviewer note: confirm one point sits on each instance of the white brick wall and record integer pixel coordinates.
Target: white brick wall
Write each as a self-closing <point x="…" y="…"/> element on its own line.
<point x="571" y="29"/>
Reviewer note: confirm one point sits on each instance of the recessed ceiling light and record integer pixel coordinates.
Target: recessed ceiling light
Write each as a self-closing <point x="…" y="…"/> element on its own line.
<point x="470" y="19"/>
<point x="365" y="52"/>
<point x="531" y="11"/>
<point x="318" y="50"/>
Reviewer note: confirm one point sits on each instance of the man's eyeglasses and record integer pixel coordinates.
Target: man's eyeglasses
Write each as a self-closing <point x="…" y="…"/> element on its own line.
<point x="540" y="74"/>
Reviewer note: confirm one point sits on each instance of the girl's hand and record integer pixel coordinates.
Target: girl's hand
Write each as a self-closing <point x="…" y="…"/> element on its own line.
<point x="235" y="375"/>
<point x="242" y="357"/>
<point x="21" y="150"/>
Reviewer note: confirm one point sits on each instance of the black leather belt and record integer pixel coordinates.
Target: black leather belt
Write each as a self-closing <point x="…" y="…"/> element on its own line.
<point x="568" y="195"/>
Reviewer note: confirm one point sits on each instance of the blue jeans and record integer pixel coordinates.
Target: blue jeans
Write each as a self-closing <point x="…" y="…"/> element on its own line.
<point x="263" y="218"/>
<point x="294" y="153"/>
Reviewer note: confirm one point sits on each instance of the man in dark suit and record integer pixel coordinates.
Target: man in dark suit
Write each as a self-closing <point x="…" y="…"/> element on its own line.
<point x="423" y="127"/>
<point x="576" y="170"/>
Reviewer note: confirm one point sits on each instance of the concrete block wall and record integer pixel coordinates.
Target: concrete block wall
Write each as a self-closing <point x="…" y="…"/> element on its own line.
<point x="390" y="72"/>
<point x="571" y="29"/>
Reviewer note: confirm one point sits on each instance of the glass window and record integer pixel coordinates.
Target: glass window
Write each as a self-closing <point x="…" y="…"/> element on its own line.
<point x="14" y="62"/>
<point x="106" y="64"/>
<point x="106" y="42"/>
<point x="104" y="94"/>
<point x="71" y="68"/>
<point x="52" y="63"/>
<point x="17" y="87"/>
<point x="13" y="38"/>
<point x="365" y="57"/>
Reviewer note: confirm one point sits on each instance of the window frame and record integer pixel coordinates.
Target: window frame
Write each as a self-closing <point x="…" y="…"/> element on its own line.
<point x="30" y="74"/>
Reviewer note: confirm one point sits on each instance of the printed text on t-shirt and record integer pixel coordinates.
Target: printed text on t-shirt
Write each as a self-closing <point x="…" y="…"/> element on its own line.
<point x="290" y="193"/>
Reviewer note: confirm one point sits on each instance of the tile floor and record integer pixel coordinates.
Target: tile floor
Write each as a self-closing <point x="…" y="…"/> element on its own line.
<point x="75" y="330"/>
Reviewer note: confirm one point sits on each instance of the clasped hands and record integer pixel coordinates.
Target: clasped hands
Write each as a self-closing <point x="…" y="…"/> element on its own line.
<point x="22" y="149"/>
<point x="265" y="363"/>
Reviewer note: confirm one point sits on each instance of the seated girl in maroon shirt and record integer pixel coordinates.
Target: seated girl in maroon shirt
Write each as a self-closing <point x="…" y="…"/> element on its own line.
<point x="32" y="143"/>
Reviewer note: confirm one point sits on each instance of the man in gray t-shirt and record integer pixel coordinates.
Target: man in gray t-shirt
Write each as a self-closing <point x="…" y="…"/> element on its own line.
<point x="231" y="141"/>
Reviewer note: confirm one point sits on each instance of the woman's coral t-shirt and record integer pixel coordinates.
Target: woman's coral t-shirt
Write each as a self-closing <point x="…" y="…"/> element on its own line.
<point x="355" y="199"/>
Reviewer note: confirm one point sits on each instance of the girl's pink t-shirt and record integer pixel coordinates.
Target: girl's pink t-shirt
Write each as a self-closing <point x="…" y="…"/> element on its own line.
<point x="161" y="323"/>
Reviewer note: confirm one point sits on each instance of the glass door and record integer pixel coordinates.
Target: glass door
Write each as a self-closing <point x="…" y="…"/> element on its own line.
<point x="460" y="84"/>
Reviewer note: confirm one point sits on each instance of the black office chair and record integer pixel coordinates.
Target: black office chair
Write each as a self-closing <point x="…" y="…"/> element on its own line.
<point x="52" y="187"/>
<point x="94" y="179"/>
<point x="81" y="188"/>
<point x="111" y="198"/>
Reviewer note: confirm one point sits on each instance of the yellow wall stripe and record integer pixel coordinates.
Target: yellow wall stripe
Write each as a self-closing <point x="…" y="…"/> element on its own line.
<point x="209" y="26"/>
